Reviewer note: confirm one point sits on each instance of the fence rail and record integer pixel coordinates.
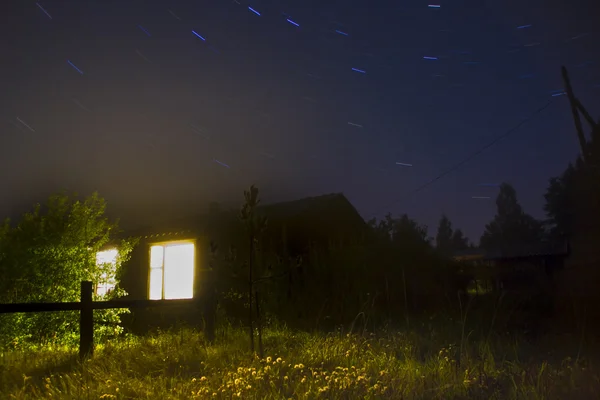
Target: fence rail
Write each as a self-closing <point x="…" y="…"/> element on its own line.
<point x="86" y="307"/>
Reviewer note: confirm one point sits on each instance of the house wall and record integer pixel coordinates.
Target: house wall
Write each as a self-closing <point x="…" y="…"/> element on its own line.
<point x="136" y="282"/>
<point x="333" y="221"/>
<point x="135" y="279"/>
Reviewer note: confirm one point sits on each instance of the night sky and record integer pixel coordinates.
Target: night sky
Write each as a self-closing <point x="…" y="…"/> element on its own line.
<point x="167" y="105"/>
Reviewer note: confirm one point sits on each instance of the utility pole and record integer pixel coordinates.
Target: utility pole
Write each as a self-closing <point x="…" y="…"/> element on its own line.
<point x="574" y="109"/>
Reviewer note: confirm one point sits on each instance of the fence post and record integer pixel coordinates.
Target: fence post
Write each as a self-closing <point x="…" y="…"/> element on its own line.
<point x="86" y="321"/>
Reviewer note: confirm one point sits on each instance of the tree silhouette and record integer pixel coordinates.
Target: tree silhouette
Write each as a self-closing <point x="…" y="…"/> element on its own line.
<point x="511" y="228"/>
<point x="459" y="241"/>
<point x="560" y="203"/>
<point x="449" y="241"/>
<point x="443" y="238"/>
<point x="572" y="198"/>
<point x="255" y="225"/>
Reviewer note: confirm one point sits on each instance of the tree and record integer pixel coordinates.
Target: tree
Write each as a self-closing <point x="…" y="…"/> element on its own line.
<point x="406" y="232"/>
<point x="511" y="227"/>
<point x="572" y="198"/>
<point x="44" y="258"/>
<point x="255" y="226"/>
<point x="449" y="241"/>
<point x="459" y="241"/>
<point x="443" y="239"/>
<point x="560" y="203"/>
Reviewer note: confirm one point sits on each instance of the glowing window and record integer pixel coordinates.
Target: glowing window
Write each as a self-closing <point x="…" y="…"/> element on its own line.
<point x="172" y="271"/>
<point x="107" y="261"/>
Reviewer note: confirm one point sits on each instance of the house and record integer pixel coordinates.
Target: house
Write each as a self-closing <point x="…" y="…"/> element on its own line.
<point x="171" y="260"/>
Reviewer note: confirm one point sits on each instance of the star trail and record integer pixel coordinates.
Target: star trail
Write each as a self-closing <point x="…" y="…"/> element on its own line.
<point x="156" y="106"/>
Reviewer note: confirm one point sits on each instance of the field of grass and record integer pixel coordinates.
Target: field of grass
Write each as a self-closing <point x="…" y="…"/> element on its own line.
<point x="387" y="365"/>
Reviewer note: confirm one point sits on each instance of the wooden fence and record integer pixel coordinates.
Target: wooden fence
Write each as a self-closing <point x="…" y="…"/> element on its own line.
<point x="86" y="307"/>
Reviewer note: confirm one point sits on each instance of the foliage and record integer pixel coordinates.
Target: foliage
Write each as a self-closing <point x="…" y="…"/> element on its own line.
<point x="44" y="258"/>
<point x="459" y="241"/>
<point x="449" y="241"/>
<point x="443" y="238"/>
<point x="573" y="197"/>
<point x="385" y="365"/>
<point x="511" y="227"/>
<point x="255" y="226"/>
<point x="391" y="272"/>
<point x="560" y="203"/>
<point x="408" y="267"/>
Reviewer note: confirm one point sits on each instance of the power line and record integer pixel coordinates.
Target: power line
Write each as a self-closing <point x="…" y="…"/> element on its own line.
<point x="467" y="159"/>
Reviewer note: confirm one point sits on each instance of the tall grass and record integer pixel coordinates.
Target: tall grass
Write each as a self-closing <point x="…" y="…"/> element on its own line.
<point x="387" y="365"/>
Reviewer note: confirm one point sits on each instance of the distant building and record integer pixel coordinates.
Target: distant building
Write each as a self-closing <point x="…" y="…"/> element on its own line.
<point x="515" y="269"/>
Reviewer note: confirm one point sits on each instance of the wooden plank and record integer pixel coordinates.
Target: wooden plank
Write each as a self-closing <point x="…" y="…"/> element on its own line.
<point x="127" y="303"/>
<point x="38" y="307"/>
<point x="87" y="306"/>
<point x="86" y="321"/>
<point x="10" y="308"/>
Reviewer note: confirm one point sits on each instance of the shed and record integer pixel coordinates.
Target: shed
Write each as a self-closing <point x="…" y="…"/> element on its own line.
<point x="516" y="268"/>
<point x="172" y="258"/>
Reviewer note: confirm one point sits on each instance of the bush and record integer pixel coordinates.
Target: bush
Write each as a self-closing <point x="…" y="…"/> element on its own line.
<point x="45" y="257"/>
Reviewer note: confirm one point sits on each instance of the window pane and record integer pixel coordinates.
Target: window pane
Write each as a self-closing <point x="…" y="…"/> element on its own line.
<point x="156" y="256"/>
<point x="107" y="256"/>
<point x="155" y="284"/>
<point x="104" y="289"/>
<point x="179" y="271"/>
<point x="106" y="261"/>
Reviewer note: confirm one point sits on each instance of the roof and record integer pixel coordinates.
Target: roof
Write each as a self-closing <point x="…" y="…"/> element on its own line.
<point x="468" y="255"/>
<point x="300" y="208"/>
<point x="529" y="251"/>
<point x="292" y="208"/>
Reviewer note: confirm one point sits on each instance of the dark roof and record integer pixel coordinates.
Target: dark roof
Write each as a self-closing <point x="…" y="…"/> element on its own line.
<point x="281" y="211"/>
<point x="470" y="254"/>
<point x="529" y="251"/>
<point x="293" y="208"/>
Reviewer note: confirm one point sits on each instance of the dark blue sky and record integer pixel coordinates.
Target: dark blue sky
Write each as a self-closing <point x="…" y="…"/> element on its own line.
<point x="279" y="104"/>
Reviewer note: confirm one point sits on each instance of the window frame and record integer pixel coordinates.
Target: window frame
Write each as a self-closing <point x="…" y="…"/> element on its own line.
<point x="108" y="282"/>
<point x="164" y="244"/>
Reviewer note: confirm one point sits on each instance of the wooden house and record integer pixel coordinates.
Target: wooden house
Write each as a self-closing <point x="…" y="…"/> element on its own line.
<point x="171" y="260"/>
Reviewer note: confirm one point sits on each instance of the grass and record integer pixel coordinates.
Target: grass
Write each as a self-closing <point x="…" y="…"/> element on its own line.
<point x="388" y="365"/>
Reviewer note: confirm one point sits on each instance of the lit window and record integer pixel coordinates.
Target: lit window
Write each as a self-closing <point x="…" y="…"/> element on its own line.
<point x="107" y="261"/>
<point x="172" y="271"/>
